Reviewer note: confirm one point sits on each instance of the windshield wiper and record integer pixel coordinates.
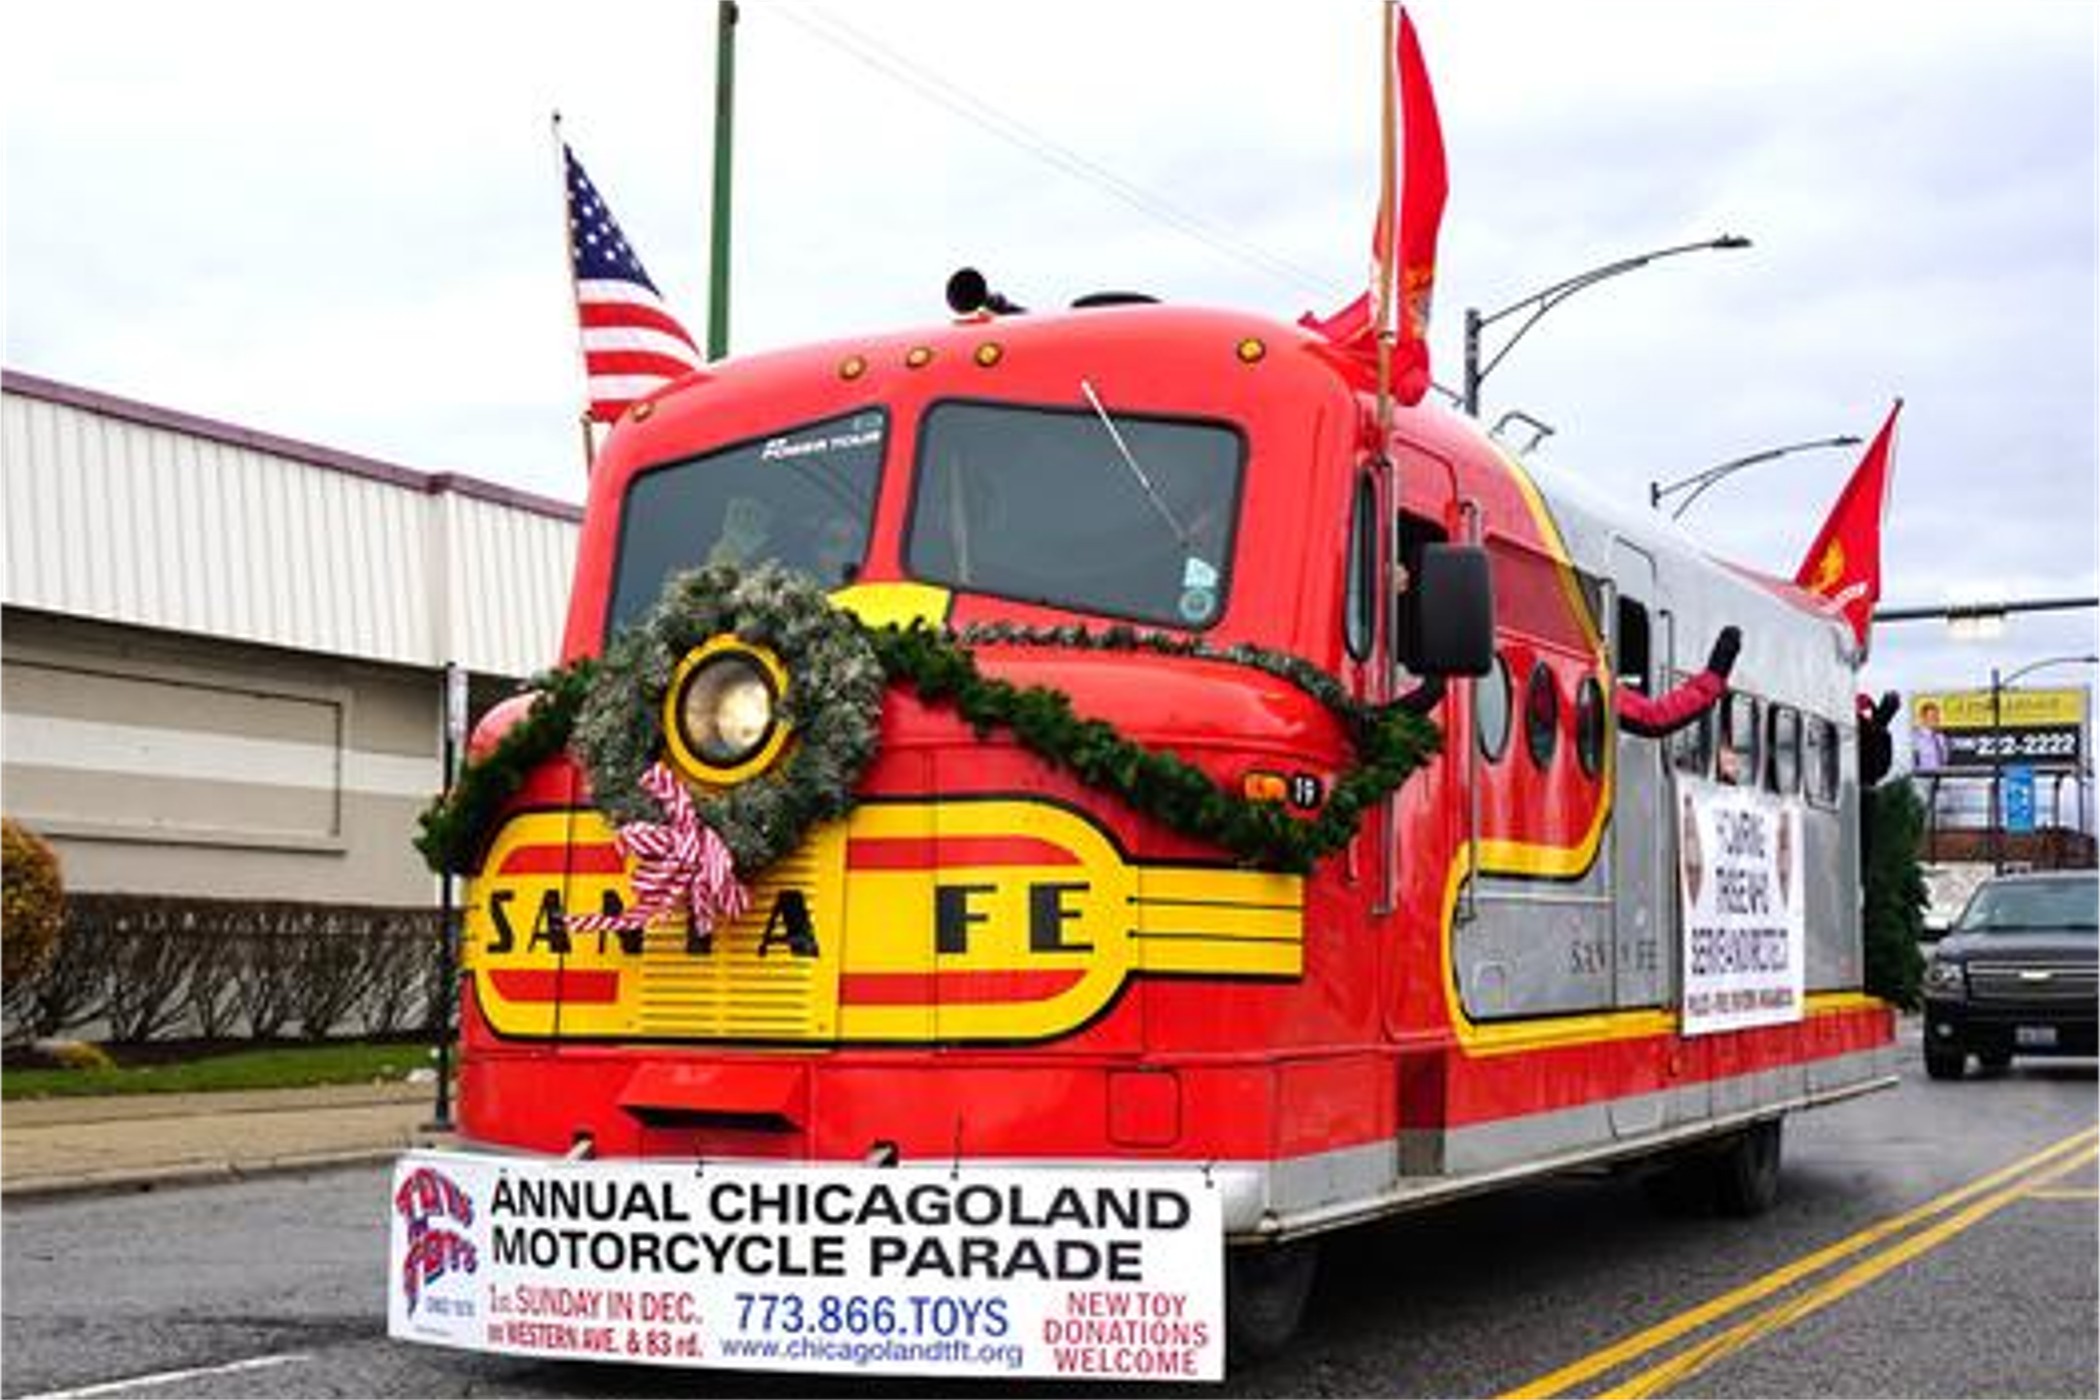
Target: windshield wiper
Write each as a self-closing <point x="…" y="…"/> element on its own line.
<point x="1130" y="460"/>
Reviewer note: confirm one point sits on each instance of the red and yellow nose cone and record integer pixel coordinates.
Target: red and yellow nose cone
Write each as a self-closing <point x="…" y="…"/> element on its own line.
<point x="908" y="922"/>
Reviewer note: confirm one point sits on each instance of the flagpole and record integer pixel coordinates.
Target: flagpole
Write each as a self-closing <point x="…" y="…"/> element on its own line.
<point x="718" y="221"/>
<point x="568" y="260"/>
<point x="1388" y="200"/>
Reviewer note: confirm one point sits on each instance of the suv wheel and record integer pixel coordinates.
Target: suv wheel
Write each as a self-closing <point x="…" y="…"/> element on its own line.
<point x="1944" y="1062"/>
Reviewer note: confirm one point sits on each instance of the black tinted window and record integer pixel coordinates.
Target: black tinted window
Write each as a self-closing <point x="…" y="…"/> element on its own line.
<point x="2013" y="905"/>
<point x="1589" y="726"/>
<point x="1129" y="517"/>
<point x="1541" y="715"/>
<point x="804" y="497"/>
<point x="1360" y="596"/>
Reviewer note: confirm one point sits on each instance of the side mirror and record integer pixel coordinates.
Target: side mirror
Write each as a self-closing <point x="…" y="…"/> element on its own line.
<point x="1448" y="619"/>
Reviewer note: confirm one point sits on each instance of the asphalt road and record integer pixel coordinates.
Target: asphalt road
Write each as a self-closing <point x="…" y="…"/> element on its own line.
<point x="1904" y="1259"/>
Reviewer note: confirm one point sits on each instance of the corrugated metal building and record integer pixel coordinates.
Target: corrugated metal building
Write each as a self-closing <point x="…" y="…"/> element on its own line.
<point x="222" y="652"/>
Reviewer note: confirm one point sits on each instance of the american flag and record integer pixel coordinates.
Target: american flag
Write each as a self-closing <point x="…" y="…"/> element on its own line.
<point x="632" y="343"/>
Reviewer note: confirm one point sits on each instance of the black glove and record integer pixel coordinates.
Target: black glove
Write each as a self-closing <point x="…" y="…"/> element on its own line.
<point x="1722" y="659"/>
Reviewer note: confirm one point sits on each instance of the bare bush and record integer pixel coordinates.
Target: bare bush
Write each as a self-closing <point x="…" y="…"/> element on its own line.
<point x="149" y="963"/>
<point x="73" y="989"/>
<point x="399" y="951"/>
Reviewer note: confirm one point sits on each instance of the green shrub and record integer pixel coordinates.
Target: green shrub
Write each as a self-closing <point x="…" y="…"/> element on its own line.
<point x="34" y="912"/>
<point x="1894" y="819"/>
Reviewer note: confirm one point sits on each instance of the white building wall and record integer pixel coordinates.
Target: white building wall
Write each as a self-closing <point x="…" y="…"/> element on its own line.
<point x="125" y="513"/>
<point x="221" y="670"/>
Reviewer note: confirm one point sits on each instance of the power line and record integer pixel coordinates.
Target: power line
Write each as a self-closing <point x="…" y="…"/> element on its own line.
<point x="932" y="87"/>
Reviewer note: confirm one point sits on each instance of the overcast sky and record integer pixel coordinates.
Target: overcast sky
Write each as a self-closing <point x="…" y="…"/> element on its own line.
<point x="343" y="224"/>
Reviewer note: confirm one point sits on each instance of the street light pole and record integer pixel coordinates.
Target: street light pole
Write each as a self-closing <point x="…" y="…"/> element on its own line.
<point x="1997" y="781"/>
<point x="1698" y="482"/>
<point x="1545" y="299"/>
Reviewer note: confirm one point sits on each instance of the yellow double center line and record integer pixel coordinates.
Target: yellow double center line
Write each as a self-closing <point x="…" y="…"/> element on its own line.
<point x="1951" y="1213"/>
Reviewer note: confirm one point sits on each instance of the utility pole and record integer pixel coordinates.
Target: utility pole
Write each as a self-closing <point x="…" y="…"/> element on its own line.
<point x="718" y="224"/>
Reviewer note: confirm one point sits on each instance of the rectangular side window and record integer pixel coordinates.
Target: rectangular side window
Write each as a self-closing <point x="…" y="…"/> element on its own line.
<point x="1783" y="769"/>
<point x="1692" y="747"/>
<point x="1360" y="587"/>
<point x="1737" y="758"/>
<point x="1632" y="660"/>
<point x="1822" y="762"/>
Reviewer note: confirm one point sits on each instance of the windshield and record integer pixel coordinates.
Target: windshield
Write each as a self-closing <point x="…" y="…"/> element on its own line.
<point x="1088" y="509"/>
<point x="2021" y="906"/>
<point x="804" y="497"/>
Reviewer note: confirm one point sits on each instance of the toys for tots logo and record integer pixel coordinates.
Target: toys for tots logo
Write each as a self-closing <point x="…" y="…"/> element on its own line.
<point x="431" y="1203"/>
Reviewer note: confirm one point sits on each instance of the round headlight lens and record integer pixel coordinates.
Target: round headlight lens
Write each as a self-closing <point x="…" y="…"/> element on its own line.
<point x="726" y="711"/>
<point x="1944" y="976"/>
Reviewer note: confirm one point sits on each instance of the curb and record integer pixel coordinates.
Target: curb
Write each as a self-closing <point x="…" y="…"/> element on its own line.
<point x="144" y="1179"/>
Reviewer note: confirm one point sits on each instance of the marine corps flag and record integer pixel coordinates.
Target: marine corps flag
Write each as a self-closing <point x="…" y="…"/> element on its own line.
<point x="1844" y="564"/>
<point x="1403" y="249"/>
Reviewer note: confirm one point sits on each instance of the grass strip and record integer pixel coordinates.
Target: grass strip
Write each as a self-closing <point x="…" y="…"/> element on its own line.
<point x="278" y="1066"/>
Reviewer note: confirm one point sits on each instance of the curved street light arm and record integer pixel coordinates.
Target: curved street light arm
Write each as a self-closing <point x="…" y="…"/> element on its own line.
<point x="1546" y="298"/>
<point x="2005" y="681"/>
<point x="1700" y="481"/>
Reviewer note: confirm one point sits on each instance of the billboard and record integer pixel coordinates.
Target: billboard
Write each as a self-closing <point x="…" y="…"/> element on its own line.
<point x="1961" y="729"/>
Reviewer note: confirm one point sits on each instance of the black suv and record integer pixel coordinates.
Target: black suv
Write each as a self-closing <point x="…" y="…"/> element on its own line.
<point x="2016" y="974"/>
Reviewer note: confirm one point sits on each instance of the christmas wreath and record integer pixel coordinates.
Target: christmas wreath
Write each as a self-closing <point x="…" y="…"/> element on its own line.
<point x="609" y="714"/>
<point x="832" y="704"/>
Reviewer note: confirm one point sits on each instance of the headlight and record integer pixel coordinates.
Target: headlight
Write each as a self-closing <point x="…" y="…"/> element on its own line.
<point x="1941" y="976"/>
<point x="726" y="710"/>
<point x="722" y="712"/>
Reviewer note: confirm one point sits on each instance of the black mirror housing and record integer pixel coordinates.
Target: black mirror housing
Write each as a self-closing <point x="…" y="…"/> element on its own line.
<point x="1448" y="624"/>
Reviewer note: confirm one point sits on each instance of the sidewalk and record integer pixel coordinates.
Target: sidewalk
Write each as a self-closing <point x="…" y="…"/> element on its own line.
<point x="135" y="1141"/>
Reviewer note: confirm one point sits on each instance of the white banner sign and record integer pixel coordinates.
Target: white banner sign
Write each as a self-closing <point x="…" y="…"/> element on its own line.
<point x="1739" y="876"/>
<point x="921" y="1271"/>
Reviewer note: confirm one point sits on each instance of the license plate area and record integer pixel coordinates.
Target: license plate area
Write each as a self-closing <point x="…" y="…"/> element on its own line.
<point x="2035" y="1037"/>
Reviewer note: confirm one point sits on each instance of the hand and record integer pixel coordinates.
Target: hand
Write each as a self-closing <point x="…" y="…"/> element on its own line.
<point x="1722" y="659"/>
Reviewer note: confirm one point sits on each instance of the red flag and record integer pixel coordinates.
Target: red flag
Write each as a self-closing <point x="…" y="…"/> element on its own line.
<point x="1403" y="251"/>
<point x="1844" y="564"/>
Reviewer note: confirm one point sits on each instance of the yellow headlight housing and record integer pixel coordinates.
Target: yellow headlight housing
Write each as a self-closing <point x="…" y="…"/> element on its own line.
<point x="722" y="718"/>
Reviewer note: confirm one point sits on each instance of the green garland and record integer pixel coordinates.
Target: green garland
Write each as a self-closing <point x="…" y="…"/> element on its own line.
<point x="839" y="668"/>
<point x="1391" y="744"/>
<point x="453" y="826"/>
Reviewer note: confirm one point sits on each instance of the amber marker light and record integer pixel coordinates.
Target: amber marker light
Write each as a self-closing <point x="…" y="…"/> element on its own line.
<point x="1260" y="785"/>
<point x="918" y="357"/>
<point x="853" y="367"/>
<point x="989" y="354"/>
<point x="1250" y="350"/>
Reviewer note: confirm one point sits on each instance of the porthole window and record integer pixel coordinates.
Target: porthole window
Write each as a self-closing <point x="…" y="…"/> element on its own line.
<point x="1541" y="714"/>
<point x="1589" y="726"/>
<point x="1491" y="710"/>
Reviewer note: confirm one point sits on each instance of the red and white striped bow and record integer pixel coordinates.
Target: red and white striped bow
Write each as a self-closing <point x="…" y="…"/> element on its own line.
<point x="682" y="865"/>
